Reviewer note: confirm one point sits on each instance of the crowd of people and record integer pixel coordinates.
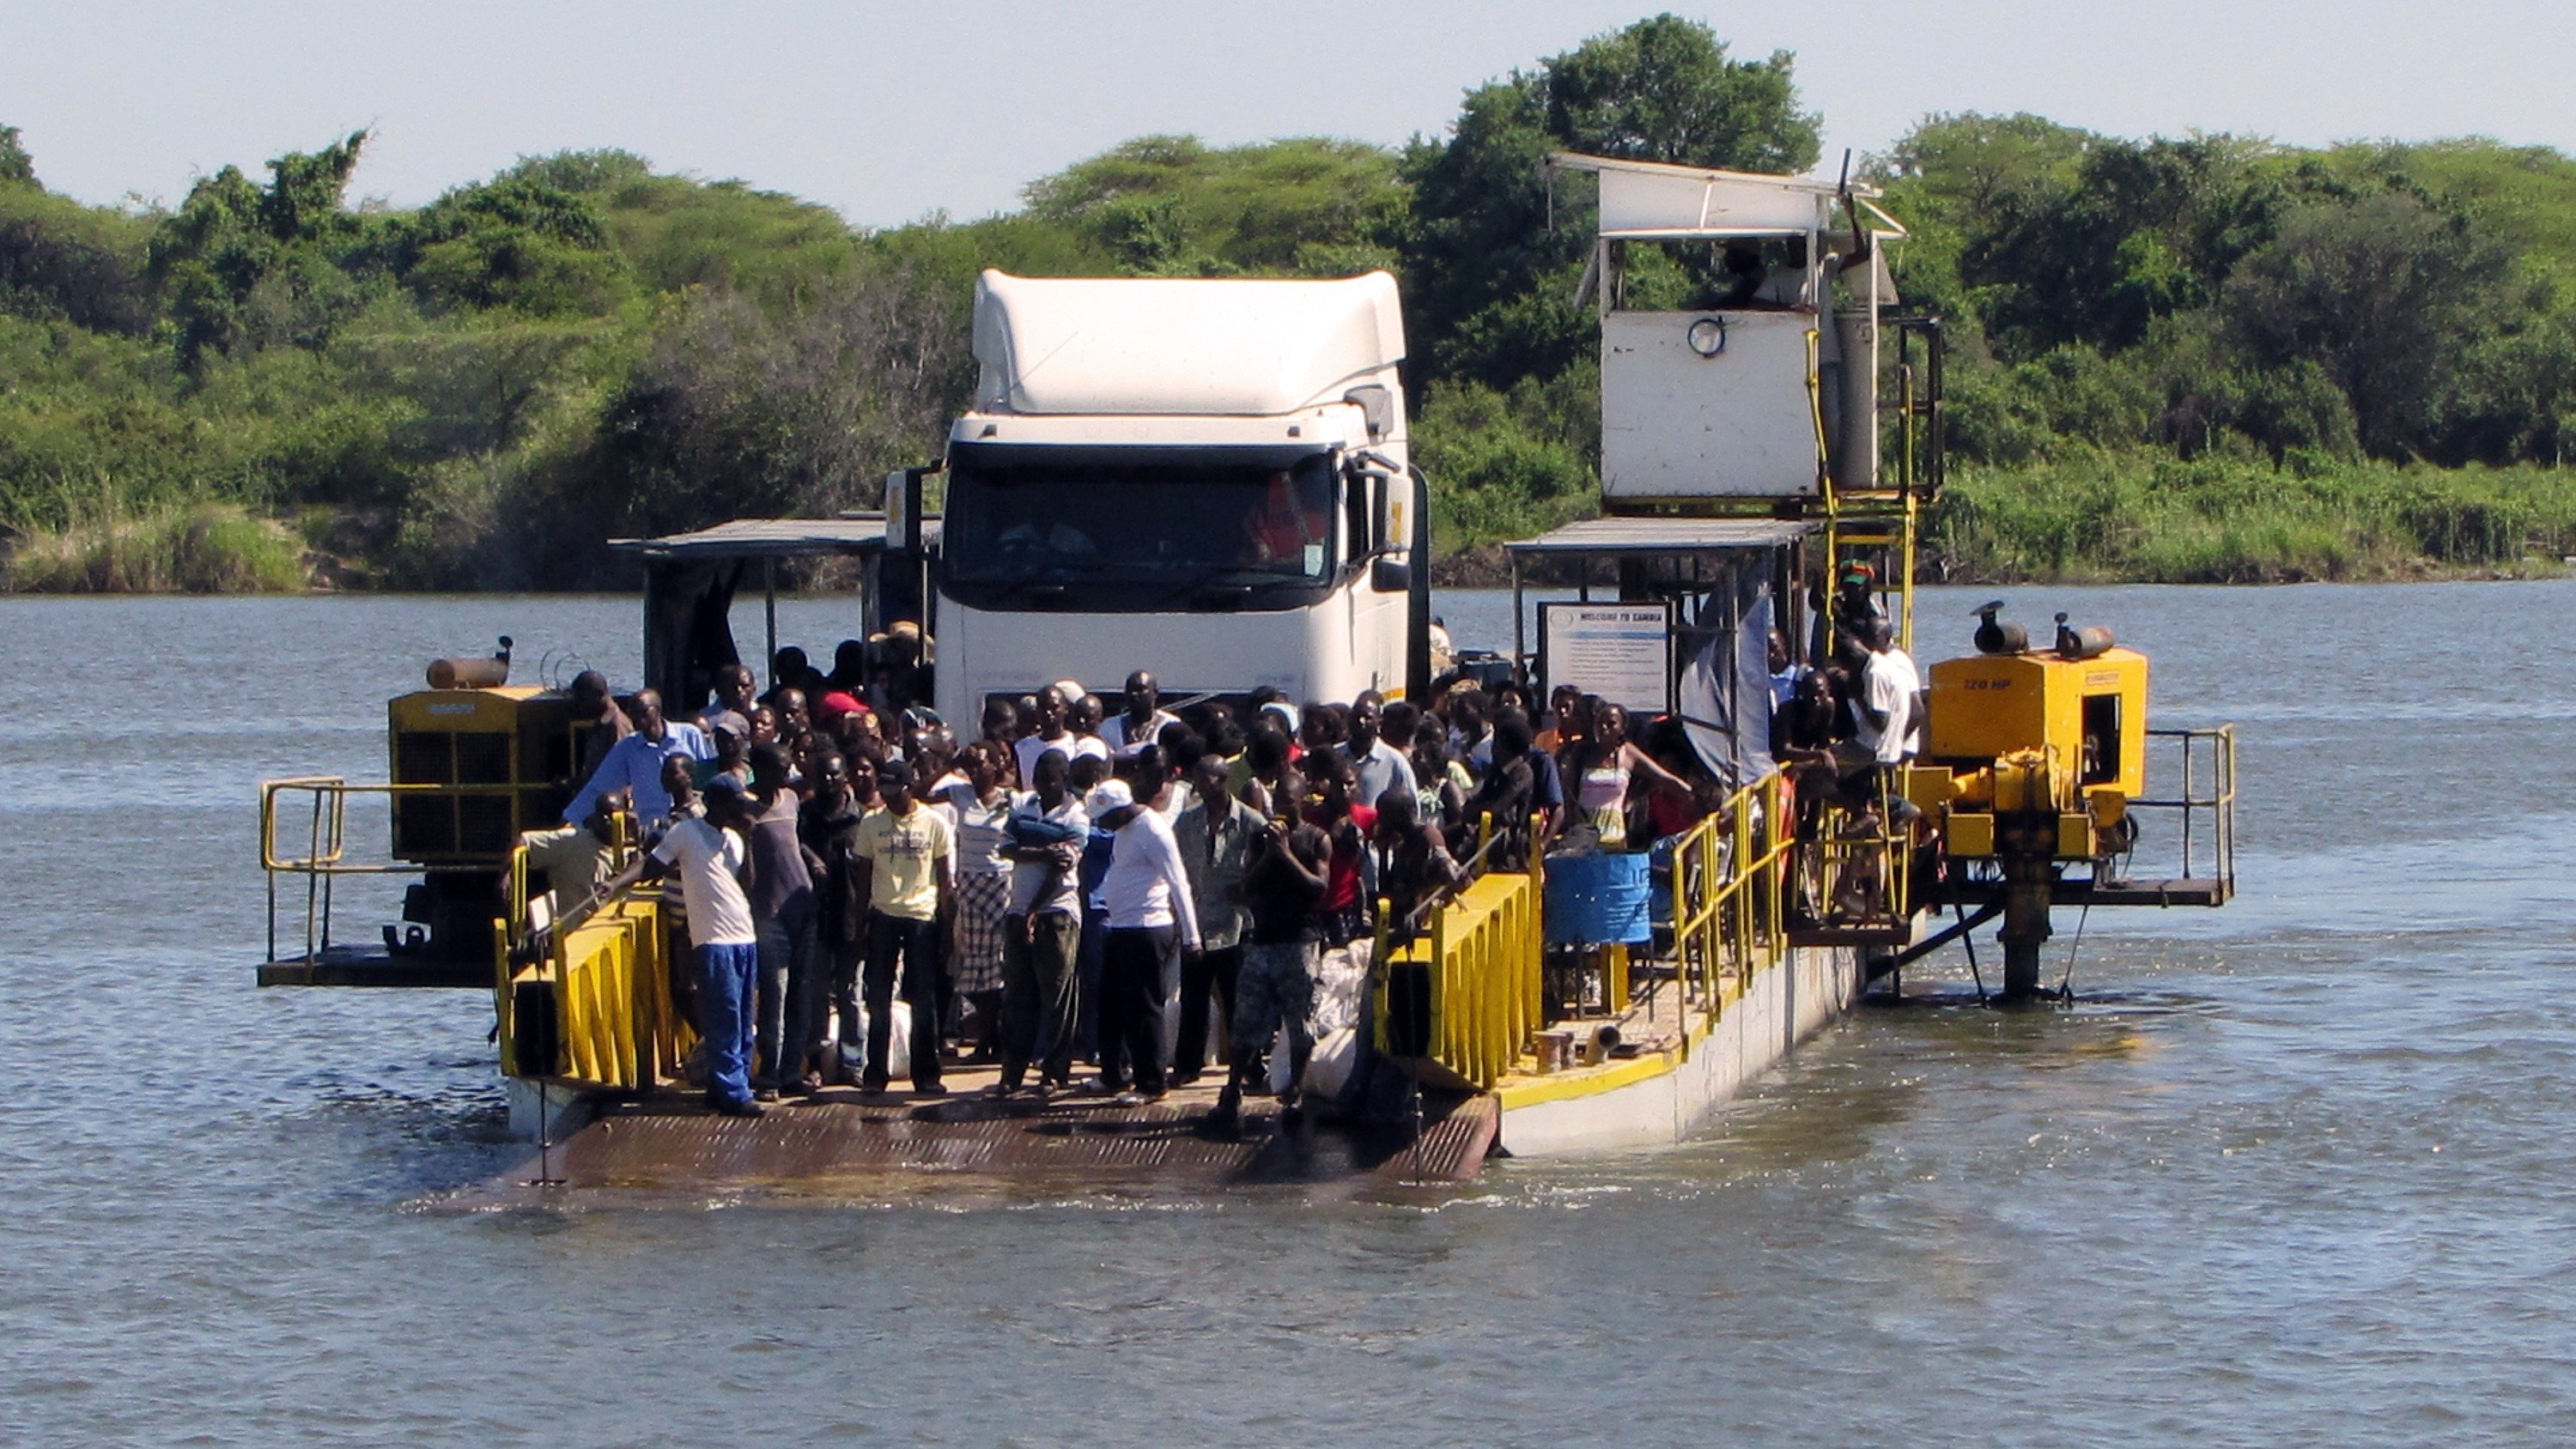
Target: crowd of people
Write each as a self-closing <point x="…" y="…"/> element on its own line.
<point x="1081" y="884"/>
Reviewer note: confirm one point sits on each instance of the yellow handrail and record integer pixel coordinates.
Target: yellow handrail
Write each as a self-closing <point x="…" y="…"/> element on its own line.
<point x="1482" y="959"/>
<point x="1482" y="956"/>
<point x="1730" y="875"/>
<point x="617" y="1025"/>
<point x="330" y="824"/>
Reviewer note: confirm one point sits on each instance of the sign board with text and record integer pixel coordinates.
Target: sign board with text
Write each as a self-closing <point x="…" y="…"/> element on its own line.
<point x="1621" y="652"/>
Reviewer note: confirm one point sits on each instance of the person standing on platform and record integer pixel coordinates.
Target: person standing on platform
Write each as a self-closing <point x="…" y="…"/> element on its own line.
<point x="634" y="764"/>
<point x="828" y="827"/>
<point x="734" y="699"/>
<point x="1042" y="935"/>
<point x="709" y="855"/>
<point x="910" y="856"/>
<point x="1215" y="840"/>
<point x="602" y="723"/>
<point x="1143" y="722"/>
<point x="1283" y="948"/>
<point x="1146" y="894"/>
<point x="1887" y="690"/>
<point x="1341" y="976"/>
<point x="981" y="806"/>
<point x="1382" y="765"/>
<point x="788" y="921"/>
<point x="1507" y="799"/>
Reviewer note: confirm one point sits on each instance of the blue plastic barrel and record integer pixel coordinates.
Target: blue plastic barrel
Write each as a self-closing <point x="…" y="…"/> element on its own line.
<point x="1598" y="900"/>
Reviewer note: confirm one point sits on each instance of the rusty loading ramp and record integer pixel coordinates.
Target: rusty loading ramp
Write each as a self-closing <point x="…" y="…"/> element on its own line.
<point x="842" y="1143"/>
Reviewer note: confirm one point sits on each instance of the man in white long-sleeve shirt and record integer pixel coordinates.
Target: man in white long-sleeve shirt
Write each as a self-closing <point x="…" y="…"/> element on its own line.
<point x="1151" y="921"/>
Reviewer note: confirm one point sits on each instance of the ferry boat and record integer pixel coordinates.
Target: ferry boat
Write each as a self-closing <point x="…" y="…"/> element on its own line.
<point x="1771" y="434"/>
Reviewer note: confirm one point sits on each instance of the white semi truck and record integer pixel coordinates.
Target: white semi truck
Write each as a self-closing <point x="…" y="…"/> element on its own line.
<point x="1206" y="479"/>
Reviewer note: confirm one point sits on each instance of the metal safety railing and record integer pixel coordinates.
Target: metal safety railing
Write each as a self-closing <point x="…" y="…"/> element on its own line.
<point x="1465" y="995"/>
<point x="2205" y="803"/>
<point x="1729" y="888"/>
<point x="588" y="1000"/>
<point x="1478" y="969"/>
<point x="1853" y="874"/>
<point x="320" y="803"/>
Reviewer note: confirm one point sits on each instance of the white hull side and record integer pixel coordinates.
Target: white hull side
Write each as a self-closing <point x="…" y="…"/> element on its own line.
<point x="1786" y="1005"/>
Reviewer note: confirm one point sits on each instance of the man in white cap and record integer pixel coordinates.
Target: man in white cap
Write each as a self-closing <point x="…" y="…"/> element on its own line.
<point x="1147" y="892"/>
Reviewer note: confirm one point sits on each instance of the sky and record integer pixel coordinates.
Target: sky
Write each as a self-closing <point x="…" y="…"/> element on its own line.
<point x="889" y="113"/>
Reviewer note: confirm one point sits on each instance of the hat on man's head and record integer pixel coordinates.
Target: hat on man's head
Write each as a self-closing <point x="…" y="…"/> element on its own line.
<point x="894" y="775"/>
<point x="1106" y="796"/>
<point x="725" y="782"/>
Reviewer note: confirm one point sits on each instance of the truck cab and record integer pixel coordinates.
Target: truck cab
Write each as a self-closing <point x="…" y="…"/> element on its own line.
<point x="1206" y="479"/>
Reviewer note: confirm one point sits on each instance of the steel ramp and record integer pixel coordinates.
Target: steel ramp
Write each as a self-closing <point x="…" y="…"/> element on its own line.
<point x="842" y="1142"/>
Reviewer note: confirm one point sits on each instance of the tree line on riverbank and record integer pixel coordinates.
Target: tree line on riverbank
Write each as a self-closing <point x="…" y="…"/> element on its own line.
<point x="2213" y="358"/>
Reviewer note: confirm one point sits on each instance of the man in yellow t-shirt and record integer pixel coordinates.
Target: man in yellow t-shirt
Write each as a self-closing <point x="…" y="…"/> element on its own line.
<point x="909" y="852"/>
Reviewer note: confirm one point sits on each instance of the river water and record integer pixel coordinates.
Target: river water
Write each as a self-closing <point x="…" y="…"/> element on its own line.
<point x="2296" y="1171"/>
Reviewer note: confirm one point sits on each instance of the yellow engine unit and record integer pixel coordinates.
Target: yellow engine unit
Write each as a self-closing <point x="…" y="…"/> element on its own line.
<point x="2026" y="736"/>
<point x="500" y="757"/>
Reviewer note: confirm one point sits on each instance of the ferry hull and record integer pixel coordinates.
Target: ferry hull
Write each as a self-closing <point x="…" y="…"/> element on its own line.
<point x="1652" y="1101"/>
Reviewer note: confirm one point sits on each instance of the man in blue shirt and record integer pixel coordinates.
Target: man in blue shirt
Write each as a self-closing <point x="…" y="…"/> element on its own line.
<point x="1382" y="766"/>
<point x="634" y="764"/>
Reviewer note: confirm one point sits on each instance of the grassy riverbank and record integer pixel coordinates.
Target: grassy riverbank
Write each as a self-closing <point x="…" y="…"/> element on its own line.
<point x="210" y="548"/>
<point x="2143" y="519"/>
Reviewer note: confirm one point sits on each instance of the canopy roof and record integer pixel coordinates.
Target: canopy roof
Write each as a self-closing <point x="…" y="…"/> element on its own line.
<point x="851" y="533"/>
<point x="1664" y="536"/>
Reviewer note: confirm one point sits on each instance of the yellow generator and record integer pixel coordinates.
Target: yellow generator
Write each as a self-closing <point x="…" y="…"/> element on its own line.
<point x="2033" y="734"/>
<point x="476" y="761"/>
<point x="2030" y="761"/>
<point x="501" y="761"/>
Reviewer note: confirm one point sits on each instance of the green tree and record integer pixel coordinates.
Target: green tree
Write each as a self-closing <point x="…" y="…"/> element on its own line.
<point x="1487" y="232"/>
<point x="1173" y="205"/>
<point x="246" y="266"/>
<point x="15" y="164"/>
<point x="1969" y="165"/>
<point x="512" y="242"/>
<point x="740" y="408"/>
<point x="1664" y="90"/>
<point x="2383" y="294"/>
<point x="59" y="259"/>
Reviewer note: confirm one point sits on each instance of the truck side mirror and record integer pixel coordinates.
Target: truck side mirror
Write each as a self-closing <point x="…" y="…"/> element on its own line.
<point x="1390" y="575"/>
<point x="1386" y="513"/>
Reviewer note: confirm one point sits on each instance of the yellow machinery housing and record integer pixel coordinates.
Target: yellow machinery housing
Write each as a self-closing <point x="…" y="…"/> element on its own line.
<point x="2030" y="734"/>
<point x="502" y="758"/>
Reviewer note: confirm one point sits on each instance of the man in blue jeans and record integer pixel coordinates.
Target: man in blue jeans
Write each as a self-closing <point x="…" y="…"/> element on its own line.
<point x="708" y="854"/>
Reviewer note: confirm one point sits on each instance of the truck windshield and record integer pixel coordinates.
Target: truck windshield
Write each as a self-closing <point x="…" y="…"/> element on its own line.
<point x="1123" y="529"/>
